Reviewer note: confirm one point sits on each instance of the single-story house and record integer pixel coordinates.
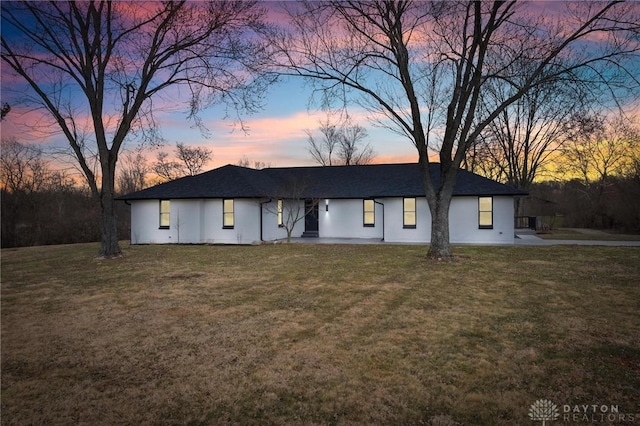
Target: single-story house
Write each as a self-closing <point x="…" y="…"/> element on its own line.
<point x="238" y="205"/>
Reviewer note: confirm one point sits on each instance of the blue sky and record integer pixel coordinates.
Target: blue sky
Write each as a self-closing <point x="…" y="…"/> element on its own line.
<point x="276" y="134"/>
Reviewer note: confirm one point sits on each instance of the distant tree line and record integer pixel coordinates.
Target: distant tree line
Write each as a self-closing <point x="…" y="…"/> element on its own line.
<point x="591" y="174"/>
<point x="611" y="204"/>
<point x="42" y="206"/>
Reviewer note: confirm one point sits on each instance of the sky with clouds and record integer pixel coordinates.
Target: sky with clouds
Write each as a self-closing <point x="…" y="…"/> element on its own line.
<point x="275" y="135"/>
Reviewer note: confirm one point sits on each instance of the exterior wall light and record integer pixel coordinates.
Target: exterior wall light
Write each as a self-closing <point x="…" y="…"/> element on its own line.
<point x="326" y="204"/>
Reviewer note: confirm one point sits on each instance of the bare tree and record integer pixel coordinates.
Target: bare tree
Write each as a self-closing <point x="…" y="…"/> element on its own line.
<point x="600" y="149"/>
<point x="291" y="205"/>
<point x="193" y="158"/>
<point x="189" y="161"/>
<point x="340" y="145"/>
<point x="22" y="168"/>
<point x="631" y="168"/>
<point x="6" y="108"/>
<point x="258" y="165"/>
<point x="167" y="169"/>
<point x="24" y="173"/>
<point x="133" y="173"/>
<point x="353" y="150"/>
<point x="601" y="158"/>
<point x="94" y="68"/>
<point x="527" y="136"/>
<point x="322" y="149"/>
<point x="425" y="67"/>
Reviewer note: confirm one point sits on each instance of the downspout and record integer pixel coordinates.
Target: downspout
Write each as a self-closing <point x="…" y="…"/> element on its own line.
<point x="382" y="204"/>
<point x="261" y="203"/>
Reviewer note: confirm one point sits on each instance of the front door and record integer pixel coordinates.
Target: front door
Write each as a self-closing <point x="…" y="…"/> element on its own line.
<point x="311" y="217"/>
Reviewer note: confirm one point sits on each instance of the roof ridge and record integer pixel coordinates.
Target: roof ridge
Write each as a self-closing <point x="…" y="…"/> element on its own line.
<point x="353" y="181"/>
<point x="242" y="171"/>
<point x="345" y="166"/>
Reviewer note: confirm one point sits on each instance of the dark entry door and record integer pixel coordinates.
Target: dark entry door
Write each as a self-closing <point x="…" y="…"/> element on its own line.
<point x="311" y="217"/>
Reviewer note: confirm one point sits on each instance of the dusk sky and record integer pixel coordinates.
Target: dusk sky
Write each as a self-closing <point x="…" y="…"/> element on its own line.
<point x="276" y="134"/>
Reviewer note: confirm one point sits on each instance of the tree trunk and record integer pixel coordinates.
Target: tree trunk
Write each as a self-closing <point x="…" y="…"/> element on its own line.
<point x="109" y="247"/>
<point x="439" y="200"/>
<point x="440" y="247"/>
<point x="519" y="206"/>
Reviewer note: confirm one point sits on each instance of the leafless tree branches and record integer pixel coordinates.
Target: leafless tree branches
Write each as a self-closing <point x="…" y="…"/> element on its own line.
<point x="425" y="67"/>
<point x="190" y="160"/>
<point x="106" y="66"/>
<point x="340" y="145"/>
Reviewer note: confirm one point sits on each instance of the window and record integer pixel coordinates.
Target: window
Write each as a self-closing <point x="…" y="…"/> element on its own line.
<point x="409" y="212"/>
<point x="369" y="213"/>
<point x="485" y="212"/>
<point x="280" y="208"/>
<point x="227" y="214"/>
<point x="165" y="214"/>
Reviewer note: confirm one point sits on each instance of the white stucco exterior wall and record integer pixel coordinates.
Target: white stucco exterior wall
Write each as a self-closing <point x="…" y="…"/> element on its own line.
<point x="270" y="229"/>
<point x="463" y="221"/>
<point x="185" y="220"/>
<point x="344" y="219"/>
<point x="394" y="230"/>
<point x="200" y="221"/>
<point x="194" y="222"/>
<point x="145" y="223"/>
<point x="246" y="228"/>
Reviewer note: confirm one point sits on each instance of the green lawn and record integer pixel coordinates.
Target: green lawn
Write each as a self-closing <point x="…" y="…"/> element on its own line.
<point x="316" y="334"/>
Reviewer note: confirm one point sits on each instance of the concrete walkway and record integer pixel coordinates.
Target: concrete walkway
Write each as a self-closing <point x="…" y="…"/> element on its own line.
<point x="533" y="240"/>
<point x="521" y="239"/>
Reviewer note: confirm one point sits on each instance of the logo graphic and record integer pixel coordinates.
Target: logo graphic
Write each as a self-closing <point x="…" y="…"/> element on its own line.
<point x="543" y="410"/>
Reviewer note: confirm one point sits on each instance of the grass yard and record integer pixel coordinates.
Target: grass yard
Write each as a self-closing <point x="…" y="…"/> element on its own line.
<point x="316" y="334"/>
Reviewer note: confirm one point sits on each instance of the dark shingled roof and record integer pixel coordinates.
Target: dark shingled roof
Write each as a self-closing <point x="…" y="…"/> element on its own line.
<point x="367" y="181"/>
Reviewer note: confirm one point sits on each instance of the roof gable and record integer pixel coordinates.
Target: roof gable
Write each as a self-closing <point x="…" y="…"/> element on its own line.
<point x="365" y="181"/>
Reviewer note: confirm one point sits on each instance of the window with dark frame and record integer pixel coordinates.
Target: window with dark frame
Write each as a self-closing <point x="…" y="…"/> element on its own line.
<point x="368" y="213"/>
<point x="409" y="213"/>
<point x="228" y="219"/>
<point x="165" y="214"/>
<point x="485" y="212"/>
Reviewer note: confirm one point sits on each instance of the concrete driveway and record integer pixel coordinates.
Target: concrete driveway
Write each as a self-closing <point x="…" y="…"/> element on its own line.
<point x="527" y="239"/>
<point x="523" y="237"/>
<point x="519" y="240"/>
